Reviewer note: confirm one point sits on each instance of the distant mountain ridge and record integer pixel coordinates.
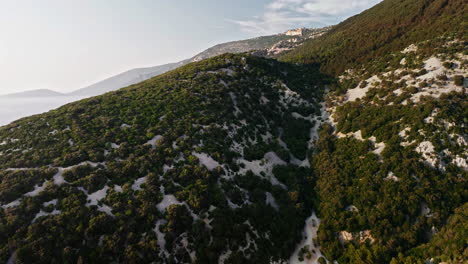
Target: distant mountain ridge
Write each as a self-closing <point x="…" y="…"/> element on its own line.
<point x="267" y="46"/>
<point x="34" y="93"/>
<point x="126" y="79"/>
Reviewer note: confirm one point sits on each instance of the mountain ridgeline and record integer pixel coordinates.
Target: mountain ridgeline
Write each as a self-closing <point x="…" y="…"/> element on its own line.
<point x="266" y="46"/>
<point x="269" y="45"/>
<point x="350" y="148"/>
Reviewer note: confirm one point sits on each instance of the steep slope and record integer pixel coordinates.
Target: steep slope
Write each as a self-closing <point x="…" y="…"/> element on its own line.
<point x="392" y="164"/>
<point x="449" y="245"/>
<point x="270" y="45"/>
<point x="203" y="164"/>
<point x="387" y="27"/>
<point x="392" y="167"/>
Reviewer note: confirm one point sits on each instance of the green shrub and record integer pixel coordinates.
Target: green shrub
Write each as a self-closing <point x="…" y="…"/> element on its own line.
<point x="448" y="65"/>
<point x="442" y="77"/>
<point x="459" y="80"/>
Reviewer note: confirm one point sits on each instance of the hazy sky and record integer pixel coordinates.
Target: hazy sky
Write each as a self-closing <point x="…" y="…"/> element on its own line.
<point x="64" y="45"/>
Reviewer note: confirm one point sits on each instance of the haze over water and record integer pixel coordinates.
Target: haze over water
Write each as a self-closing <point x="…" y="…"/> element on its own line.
<point x="12" y="109"/>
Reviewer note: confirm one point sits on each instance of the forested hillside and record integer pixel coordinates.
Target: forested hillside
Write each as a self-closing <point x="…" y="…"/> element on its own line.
<point x="387" y="27"/>
<point x="207" y="163"/>
<point x="392" y="165"/>
<point x="350" y="149"/>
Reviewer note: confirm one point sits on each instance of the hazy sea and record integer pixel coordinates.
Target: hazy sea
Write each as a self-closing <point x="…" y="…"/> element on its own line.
<point x="12" y="109"/>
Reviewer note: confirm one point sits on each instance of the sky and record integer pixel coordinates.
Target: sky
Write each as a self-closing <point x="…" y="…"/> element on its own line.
<point x="64" y="45"/>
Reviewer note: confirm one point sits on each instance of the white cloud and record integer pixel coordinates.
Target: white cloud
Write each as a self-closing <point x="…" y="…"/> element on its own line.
<point x="281" y="15"/>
